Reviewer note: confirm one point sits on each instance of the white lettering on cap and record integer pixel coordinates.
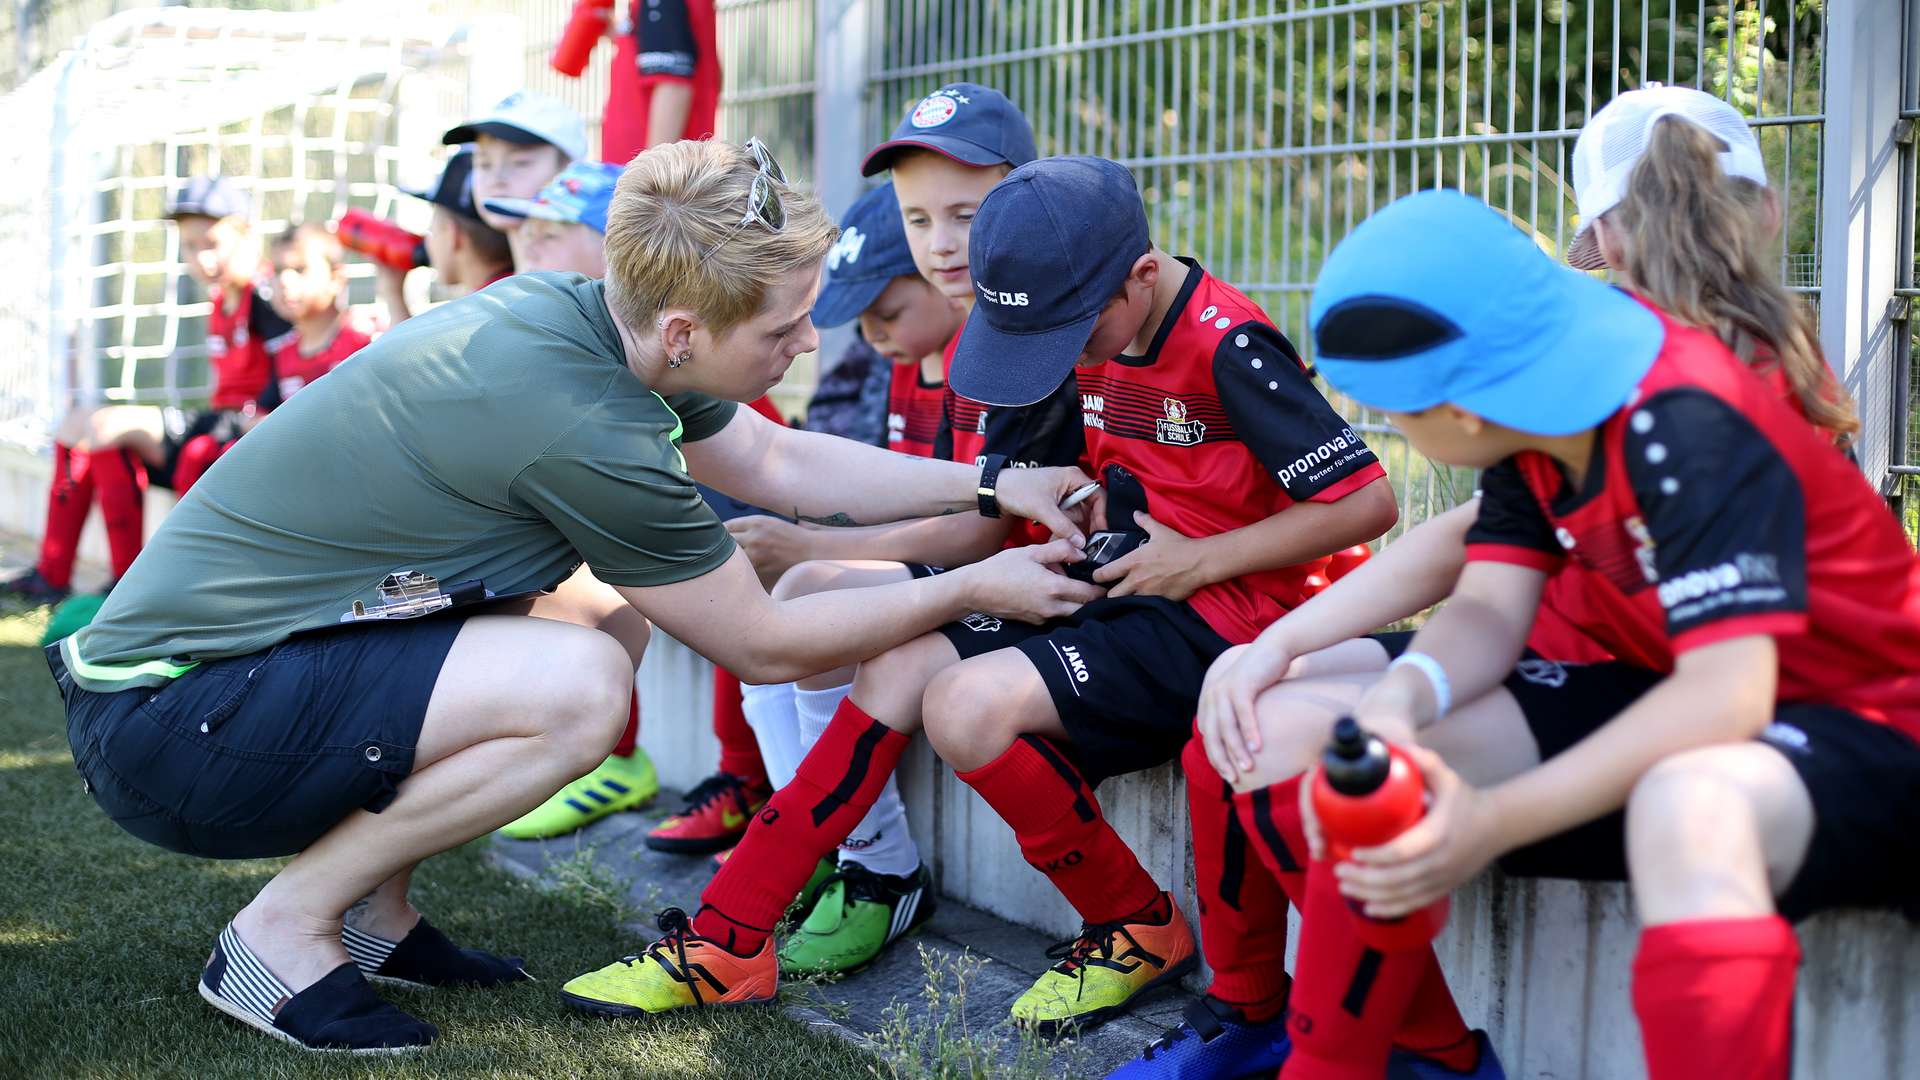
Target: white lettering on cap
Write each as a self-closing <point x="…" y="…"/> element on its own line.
<point x="1001" y="298"/>
<point x="847" y="248"/>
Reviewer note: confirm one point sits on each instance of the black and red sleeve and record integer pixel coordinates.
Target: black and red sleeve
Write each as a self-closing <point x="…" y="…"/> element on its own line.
<point x="1512" y="527"/>
<point x="1726" y="517"/>
<point x="667" y="46"/>
<point x="1045" y="434"/>
<point x="1312" y="451"/>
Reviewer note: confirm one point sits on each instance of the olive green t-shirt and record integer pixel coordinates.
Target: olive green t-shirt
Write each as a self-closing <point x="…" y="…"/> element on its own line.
<point x="500" y="437"/>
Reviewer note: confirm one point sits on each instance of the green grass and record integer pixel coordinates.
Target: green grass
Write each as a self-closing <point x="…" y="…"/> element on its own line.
<point x="102" y="938"/>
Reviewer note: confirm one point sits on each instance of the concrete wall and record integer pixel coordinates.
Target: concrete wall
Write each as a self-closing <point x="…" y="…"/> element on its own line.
<point x="1543" y="965"/>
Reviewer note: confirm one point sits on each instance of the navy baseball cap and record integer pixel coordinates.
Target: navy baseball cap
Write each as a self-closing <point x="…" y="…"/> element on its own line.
<point x="871" y="252"/>
<point x="1438" y="298"/>
<point x="454" y="188"/>
<point x="972" y="124"/>
<point x="209" y="196"/>
<point x="1051" y="244"/>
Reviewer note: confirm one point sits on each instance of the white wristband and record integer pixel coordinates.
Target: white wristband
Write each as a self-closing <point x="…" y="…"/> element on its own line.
<point x="1436" y="677"/>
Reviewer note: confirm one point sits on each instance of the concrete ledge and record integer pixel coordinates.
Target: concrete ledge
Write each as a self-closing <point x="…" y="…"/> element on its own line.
<point x="1544" y="966"/>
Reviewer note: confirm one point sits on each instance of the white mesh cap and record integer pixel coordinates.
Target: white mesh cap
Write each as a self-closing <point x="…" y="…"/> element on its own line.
<point x="1611" y="144"/>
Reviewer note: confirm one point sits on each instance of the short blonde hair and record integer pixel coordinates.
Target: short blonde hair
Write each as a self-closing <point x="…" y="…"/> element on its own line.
<point x="679" y="201"/>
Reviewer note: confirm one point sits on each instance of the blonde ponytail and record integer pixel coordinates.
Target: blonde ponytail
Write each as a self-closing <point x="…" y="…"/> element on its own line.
<point x="1696" y="245"/>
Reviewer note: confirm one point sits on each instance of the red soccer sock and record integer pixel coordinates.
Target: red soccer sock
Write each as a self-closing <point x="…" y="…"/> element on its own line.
<point x="69" y="501"/>
<point x="739" y="750"/>
<point x="630" y="738"/>
<point x="120" y="481"/>
<point x="1432" y="1026"/>
<point x="1243" y="913"/>
<point x="1715" y="998"/>
<point x="837" y="783"/>
<point x="1061" y="831"/>
<point x="1348" y="999"/>
<point x="195" y="458"/>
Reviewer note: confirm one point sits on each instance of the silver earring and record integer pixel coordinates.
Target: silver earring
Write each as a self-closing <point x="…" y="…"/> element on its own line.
<point x="678" y="361"/>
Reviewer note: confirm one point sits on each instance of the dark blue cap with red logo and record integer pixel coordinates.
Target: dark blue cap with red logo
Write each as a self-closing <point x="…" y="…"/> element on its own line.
<point x="1051" y="244"/>
<point x="871" y="251"/>
<point x="972" y="124"/>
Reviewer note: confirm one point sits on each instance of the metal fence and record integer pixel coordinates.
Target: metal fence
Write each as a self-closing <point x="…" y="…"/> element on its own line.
<point x="1261" y="132"/>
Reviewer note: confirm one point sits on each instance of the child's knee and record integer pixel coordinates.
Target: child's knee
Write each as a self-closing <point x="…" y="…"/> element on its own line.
<point x="1294" y="726"/>
<point x="804" y="579"/>
<point x="970" y="719"/>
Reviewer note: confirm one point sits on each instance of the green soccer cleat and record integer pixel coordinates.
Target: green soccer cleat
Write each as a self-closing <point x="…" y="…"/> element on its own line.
<point x="856" y="914"/>
<point x="619" y="783"/>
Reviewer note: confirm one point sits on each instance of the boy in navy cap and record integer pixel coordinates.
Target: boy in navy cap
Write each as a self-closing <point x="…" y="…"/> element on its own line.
<point x="1234" y="477"/>
<point x="115" y="451"/>
<point x="1755" y="763"/>
<point x="465" y="252"/>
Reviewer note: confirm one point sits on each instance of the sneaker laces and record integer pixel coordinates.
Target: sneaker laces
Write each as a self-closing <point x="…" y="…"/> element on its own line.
<point x="1094" y="939"/>
<point x="712" y="789"/>
<point x="675" y="928"/>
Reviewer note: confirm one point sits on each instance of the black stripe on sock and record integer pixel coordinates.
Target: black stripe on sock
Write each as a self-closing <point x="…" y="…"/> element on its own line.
<point x="1364" y="972"/>
<point x="1270" y="833"/>
<point x="1233" y="865"/>
<point x="856" y="774"/>
<point x="1082" y="806"/>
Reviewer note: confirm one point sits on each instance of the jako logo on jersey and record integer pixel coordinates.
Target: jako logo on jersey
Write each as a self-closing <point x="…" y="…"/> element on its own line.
<point x="981" y="623"/>
<point x="1176" y="429"/>
<point x="846" y="249"/>
<point x="1093" y="408"/>
<point x="1549" y="673"/>
<point x="937" y="108"/>
<point x="1756" y="576"/>
<point x="1003" y="299"/>
<point x="1320" y="455"/>
<point x="1075" y="664"/>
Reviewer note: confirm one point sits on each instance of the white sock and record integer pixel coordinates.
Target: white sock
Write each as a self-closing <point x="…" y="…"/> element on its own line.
<point x="881" y="842"/>
<point x="769" y="712"/>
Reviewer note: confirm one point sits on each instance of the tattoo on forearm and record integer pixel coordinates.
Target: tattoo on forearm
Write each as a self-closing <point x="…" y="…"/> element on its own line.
<point x="836" y="520"/>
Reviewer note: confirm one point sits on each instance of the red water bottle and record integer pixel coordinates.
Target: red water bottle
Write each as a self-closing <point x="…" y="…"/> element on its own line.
<point x="381" y="240"/>
<point x="1343" y="562"/>
<point x="585" y="27"/>
<point x="1367" y="793"/>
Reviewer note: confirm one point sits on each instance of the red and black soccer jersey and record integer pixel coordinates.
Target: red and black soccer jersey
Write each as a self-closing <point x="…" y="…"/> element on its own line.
<point x="914" y="410"/>
<point x="1224" y="428"/>
<point x="295" y="370"/>
<point x="1712" y="510"/>
<point x="671" y="41"/>
<point x="239" y="341"/>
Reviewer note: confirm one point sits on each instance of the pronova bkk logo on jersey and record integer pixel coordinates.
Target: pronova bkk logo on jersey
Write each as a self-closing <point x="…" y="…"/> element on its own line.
<point x="937" y="108"/>
<point x="1342" y="449"/>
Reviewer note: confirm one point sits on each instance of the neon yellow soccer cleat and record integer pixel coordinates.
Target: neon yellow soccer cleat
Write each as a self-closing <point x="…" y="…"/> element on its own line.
<point x="619" y="783"/>
<point x="1104" y="972"/>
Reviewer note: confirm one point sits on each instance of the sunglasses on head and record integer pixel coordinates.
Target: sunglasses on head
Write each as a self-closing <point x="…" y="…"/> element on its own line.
<point x="763" y="199"/>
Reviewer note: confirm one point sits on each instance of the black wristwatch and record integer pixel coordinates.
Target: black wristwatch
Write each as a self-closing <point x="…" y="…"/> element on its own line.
<point x="990" y="484"/>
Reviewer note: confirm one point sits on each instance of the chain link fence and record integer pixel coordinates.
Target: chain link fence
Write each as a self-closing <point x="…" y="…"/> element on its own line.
<point x="1261" y="132"/>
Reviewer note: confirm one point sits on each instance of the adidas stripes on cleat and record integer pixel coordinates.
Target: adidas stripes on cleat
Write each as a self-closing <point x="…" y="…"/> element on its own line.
<point x="619" y="783"/>
<point x="854" y="915"/>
